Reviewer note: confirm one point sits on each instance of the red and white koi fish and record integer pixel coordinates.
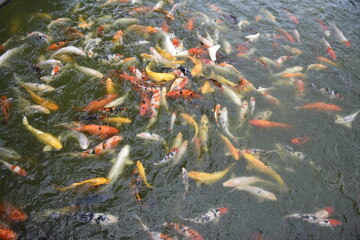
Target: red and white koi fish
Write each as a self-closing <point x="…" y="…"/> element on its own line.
<point x="154" y="235"/>
<point x="252" y="105"/>
<point x="299" y="141"/>
<point x="110" y="143"/>
<point x="154" y="107"/>
<point x="243" y="111"/>
<point x="171" y="154"/>
<point x="324" y="28"/>
<point x="187" y="232"/>
<point x="340" y="35"/>
<point x="216" y="111"/>
<point x="291" y="16"/>
<point x="14" y="168"/>
<point x="213" y="215"/>
<point x="270" y="98"/>
<point x="329" y="49"/>
<point x="322" y="213"/>
<point x="282" y="59"/>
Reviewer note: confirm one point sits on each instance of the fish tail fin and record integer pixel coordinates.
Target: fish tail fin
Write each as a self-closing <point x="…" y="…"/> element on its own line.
<point x="62" y="189"/>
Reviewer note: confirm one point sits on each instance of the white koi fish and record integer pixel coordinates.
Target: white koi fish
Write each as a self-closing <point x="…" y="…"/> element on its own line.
<point x="224" y="123"/>
<point x="340" y="35"/>
<point x="347" y="120"/>
<point x="260" y="193"/>
<point x="212" y="51"/>
<point x="213" y="215"/>
<point x="252" y="105"/>
<point x="185" y="180"/>
<point x="89" y="71"/>
<point x="253" y="38"/>
<point x="7" y="55"/>
<point x="180" y="153"/>
<point x="232" y="95"/>
<point x="68" y="50"/>
<point x="244" y="181"/>
<point x="118" y="167"/>
<point x="172" y="121"/>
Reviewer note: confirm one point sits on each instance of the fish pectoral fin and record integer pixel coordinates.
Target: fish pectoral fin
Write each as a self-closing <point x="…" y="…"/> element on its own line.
<point x="129" y="162"/>
<point x="47" y="148"/>
<point x="249" y="167"/>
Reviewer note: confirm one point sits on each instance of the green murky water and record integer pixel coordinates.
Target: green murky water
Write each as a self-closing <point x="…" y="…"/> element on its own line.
<point x="334" y="148"/>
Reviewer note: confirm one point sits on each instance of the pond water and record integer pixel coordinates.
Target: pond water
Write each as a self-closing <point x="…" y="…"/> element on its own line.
<point x="329" y="176"/>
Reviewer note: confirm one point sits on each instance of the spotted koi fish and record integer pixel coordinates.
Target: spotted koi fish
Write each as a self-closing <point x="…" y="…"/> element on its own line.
<point x="213" y="215"/>
<point x="6" y="233"/>
<point x="102" y="147"/>
<point x="14" y="168"/>
<point x="154" y="107"/>
<point x="98" y="104"/>
<point x="168" y="156"/>
<point x="187" y="232"/>
<point x="185" y="94"/>
<point x="101" y="131"/>
<point x="96" y="218"/>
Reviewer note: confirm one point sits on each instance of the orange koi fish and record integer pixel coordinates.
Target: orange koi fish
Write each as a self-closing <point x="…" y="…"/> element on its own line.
<point x="328" y="61"/>
<point x="324" y="28"/>
<point x="300" y="140"/>
<point x="286" y="35"/>
<point x="93" y="182"/>
<point x="329" y="49"/>
<point x="99" y="103"/>
<point x="11" y="214"/>
<point x="187" y="232"/>
<point x="268" y="124"/>
<point x="5" y="107"/>
<point x="196" y="51"/>
<point x="144" y="103"/>
<point x="190" y="24"/>
<point x="118" y="37"/>
<point x="291" y="16"/>
<point x="321" y="106"/>
<point x="185" y="94"/>
<point x="55" y="70"/>
<point x="110" y="143"/>
<point x="14" y="168"/>
<point x="293" y="75"/>
<point x="56" y="46"/>
<point x="6" y="233"/>
<point x="42" y="101"/>
<point x="98" y="130"/>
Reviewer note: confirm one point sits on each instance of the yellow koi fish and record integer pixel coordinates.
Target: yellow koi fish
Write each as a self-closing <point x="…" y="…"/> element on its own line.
<point x="159" y="77"/>
<point x="209" y="178"/>
<point x="255" y="163"/>
<point x="203" y="132"/>
<point x="142" y="173"/>
<point x="42" y="101"/>
<point x="93" y="182"/>
<point x="43" y="137"/>
<point x="192" y="122"/>
<point x="230" y="147"/>
<point x="110" y="86"/>
<point x="117" y="120"/>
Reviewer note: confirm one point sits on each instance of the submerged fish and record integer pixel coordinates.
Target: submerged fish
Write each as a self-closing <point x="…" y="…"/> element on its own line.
<point x="96" y="218"/>
<point x="260" y="193"/>
<point x="119" y="165"/>
<point x="209" y="178"/>
<point x="347" y="120"/>
<point x="213" y="215"/>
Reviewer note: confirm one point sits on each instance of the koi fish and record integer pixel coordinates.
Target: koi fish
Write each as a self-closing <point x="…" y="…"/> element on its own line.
<point x="93" y="182"/>
<point x="328" y="61"/>
<point x="6" y="233"/>
<point x="163" y="101"/>
<point x="260" y="193"/>
<point x="340" y="35"/>
<point x="209" y="178"/>
<point x="172" y="121"/>
<point x="203" y="133"/>
<point x="192" y="122"/>
<point x="185" y="180"/>
<point x="293" y="50"/>
<point x="96" y="218"/>
<point x="291" y="16"/>
<point x="300" y="140"/>
<point x="243" y="111"/>
<point x="320" y="221"/>
<point x="107" y="145"/>
<point x="10" y="213"/>
<point x="224" y="123"/>
<point x="144" y="103"/>
<point x="159" y="77"/>
<point x="98" y="130"/>
<point x="244" y="181"/>
<point x="347" y="120"/>
<point x="68" y="50"/>
<point x="43" y="137"/>
<point x="142" y="173"/>
<point x="330" y="92"/>
<point x="14" y="168"/>
<point x="324" y="28"/>
<point x="9" y="153"/>
<point x="213" y="215"/>
<point x="216" y="111"/>
<point x="5" y="107"/>
<point x="171" y="154"/>
<point x="89" y="71"/>
<point x="329" y="49"/>
<point x="316" y="67"/>
<point x="322" y="213"/>
<point x="230" y="147"/>
<point x="136" y="183"/>
<point x="264" y="115"/>
<point x="153" y="235"/>
<point x="150" y="136"/>
<point x="187" y="232"/>
<point x="321" y="106"/>
<point x="154" y="107"/>
<point x="286" y="34"/>
<point x="267" y="124"/>
<point x="42" y="101"/>
<point x="56" y="46"/>
<point x="184" y="93"/>
<point x="98" y="104"/>
<point x="119" y="165"/>
<point x="271" y="98"/>
<point x="252" y="105"/>
<point x="255" y="163"/>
